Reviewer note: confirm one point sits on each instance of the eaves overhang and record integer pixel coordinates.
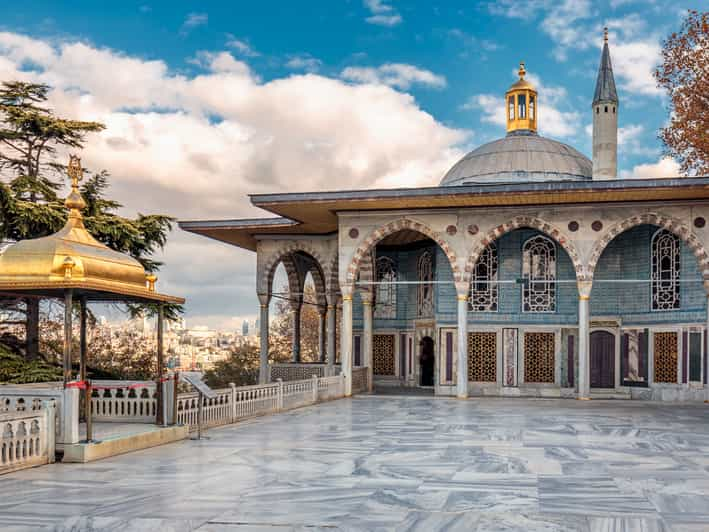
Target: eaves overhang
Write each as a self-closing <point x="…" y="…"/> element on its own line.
<point x="312" y="213"/>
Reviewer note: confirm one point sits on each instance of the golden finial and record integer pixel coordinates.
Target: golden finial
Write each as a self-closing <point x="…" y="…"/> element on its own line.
<point x="522" y="71"/>
<point x="605" y="34"/>
<point x="151" y="279"/>
<point x="74" y="201"/>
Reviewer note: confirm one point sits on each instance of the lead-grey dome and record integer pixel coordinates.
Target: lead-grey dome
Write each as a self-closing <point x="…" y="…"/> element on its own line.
<point x="520" y="158"/>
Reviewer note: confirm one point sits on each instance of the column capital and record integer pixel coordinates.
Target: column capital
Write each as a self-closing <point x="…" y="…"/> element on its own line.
<point x="584" y="288"/>
<point x="347" y="290"/>
<point x="264" y="299"/>
<point x="463" y="290"/>
<point x="367" y="298"/>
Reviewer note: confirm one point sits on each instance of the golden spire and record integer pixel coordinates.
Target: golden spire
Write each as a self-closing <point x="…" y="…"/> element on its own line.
<point x="605" y="34"/>
<point x="522" y="72"/>
<point x="74" y="201"/>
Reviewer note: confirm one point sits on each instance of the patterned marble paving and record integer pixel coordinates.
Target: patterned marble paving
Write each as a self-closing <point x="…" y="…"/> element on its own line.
<point x="396" y="463"/>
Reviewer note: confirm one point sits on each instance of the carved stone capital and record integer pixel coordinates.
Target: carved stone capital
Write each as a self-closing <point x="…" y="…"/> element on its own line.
<point x="584" y="288"/>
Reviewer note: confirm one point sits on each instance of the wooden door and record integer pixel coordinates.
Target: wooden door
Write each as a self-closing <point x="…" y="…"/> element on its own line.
<point x="602" y="359"/>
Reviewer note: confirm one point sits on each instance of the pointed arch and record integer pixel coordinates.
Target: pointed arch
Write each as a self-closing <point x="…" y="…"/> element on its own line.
<point x="287" y="254"/>
<point x="669" y="223"/>
<point x="364" y="249"/>
<point x="521" y="222"/>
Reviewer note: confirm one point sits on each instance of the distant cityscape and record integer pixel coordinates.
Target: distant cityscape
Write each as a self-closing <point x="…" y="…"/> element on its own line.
<point x="186" y="349"/>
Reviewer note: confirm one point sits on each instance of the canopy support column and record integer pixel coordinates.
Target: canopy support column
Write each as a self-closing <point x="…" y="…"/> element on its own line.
<point x="68" y="337"/>
<point x="331" y="330"/>
<point x="83" y="358"/>
<point x="263" y="375"/>
<point x="584" y="288"/>
<point x="462" y="376"/>
<point x="160" y="417"/>
<point x="368" y="336"/>
<point x="296" y="332"/>
<point x="346" y="339"/>
<point x="321" y="334"/>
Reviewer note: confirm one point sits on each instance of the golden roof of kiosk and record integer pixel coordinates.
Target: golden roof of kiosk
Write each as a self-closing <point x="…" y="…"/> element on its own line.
<point x="72" y="258"/>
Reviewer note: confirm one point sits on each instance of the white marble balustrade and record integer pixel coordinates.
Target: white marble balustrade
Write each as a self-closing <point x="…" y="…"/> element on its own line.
<point x="29" y="398"/>
<point x="118" y="402"/>
<point x="28" y="437"/>
<point x="233" y="404"/>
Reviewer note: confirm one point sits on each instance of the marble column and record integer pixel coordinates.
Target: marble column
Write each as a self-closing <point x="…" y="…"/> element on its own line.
<point x="296" y="307"/>
<point x="346" y="338"/>
<point x="321" y="334"/>
<point x="367" y="341"/>
<point x="331" y="330"/>
<point x="263" y="373"/>
<point x="462" y="375"/>
<point x="584" y="288"/>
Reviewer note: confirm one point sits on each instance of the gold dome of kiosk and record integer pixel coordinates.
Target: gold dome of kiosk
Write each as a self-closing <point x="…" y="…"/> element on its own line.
<point x="72" y="258"/>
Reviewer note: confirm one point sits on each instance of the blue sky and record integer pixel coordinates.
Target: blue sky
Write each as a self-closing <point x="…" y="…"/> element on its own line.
<point x="208" y="101"/>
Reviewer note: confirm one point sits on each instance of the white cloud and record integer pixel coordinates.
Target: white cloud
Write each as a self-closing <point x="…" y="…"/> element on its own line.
<point x="397" y="75"/>
<point x="561" y="23"/>
<point x="242" y="46"/>
<point x="382" y="14"/>
<point x="192" y="21"/>
<point x="304" y="62"/>
<point x="194" y="146"/>
<point x="665" y="167"/>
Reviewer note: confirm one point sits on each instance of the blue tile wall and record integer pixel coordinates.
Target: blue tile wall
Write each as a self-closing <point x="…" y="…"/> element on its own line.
<point x="627" y="257"/>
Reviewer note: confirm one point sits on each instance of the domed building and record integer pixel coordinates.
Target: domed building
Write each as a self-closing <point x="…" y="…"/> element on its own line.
<point x="529" y="270"/>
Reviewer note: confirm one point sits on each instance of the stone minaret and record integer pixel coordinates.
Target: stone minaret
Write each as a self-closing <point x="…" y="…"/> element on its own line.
<point x="605" y="119"/>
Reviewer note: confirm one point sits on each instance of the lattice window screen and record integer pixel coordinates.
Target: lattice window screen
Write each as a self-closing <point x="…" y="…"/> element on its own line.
<point x="385" y="300"/>
<point x="539" y="275"/>
<point x="383" y="352"/>
<point x="665" y="356"/>
<point x="665" y="271"/>
<point x="539" y="357"/>
<point x="483" y="286"/>
<point x="482" y="357"/>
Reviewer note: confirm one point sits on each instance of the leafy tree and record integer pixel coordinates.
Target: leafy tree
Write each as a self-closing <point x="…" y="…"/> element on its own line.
<point x="30" y="177"/>
<point x="241" y="368"/>
<point x="684" y="74"/>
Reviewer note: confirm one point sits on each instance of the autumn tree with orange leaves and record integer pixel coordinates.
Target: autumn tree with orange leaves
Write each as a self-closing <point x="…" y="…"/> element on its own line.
<point x="684" y="74"/>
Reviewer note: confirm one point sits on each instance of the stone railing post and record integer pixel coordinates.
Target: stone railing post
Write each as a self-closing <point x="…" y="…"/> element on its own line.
<point x="233" y="401"/>
<point x="50" y="413"/>
<point x="315" y="381"/>
<point x="280" y="394"/>
<point x="70" y="416"/>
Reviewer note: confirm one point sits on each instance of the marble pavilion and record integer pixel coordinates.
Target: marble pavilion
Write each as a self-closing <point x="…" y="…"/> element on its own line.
<point x="529" y="270"/>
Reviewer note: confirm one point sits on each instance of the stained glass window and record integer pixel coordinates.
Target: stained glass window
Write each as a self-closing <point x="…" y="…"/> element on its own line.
<point x="483" y="286"/>
<point x="539" y="275"/>
<point x="665" y="271"/>
<point x="385" y="299"/>
<point x="424" y="300"/>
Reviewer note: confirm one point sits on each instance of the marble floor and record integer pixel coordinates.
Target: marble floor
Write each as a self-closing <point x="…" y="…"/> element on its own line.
<point x="396" y="463"/>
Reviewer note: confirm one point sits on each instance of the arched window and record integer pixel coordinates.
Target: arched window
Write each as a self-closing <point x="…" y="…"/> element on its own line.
<point x="539" y="275"/>
<point x="665" y="270"/>
<point x="385" y="299"/>
<point x="483" y="285"/>
<point x="531" y="107"/>
<point x="424" y="299"/>
<point x="511" y="108"/>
